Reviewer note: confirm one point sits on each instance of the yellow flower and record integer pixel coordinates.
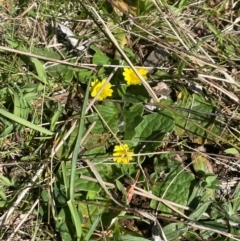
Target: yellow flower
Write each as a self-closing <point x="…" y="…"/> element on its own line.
<point x="122" y="154"/>
<point x="131" y="77"/>
<point x="96" y="85"/>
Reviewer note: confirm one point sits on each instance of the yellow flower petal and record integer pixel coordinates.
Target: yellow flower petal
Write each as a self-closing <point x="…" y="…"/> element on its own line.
<point x="122" y="154"/>
<point x="96" y="85"/>
<point x="131" y="78"/>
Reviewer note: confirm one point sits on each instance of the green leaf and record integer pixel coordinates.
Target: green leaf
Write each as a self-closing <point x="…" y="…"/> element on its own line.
<point x="99" y="57"/>
<point x="56" y="116"/>
<point x="174" y="230"/>
<point x="62" y="225"/>
<point x="76" y="217"/>
<point x="3" y="196"/>
<point x="175" y="187"/>
<point x="132" y="117"/>
<point x="84" y="76"/>
<point x="198" y="212"/>
<point x="5" y="181"/>
<point x="24" y="122"/>
<point x="236" y="199"/>
<point x="117" y="232"/>
<point x="110" y="113"/>
<point x="92" y="229"/>
<point x="93" y="141"/>
<point x="201" y="165"/>
<point x="191" y="236"/>
<point x="154" y="127"/>
<point x="133" y="93"/>
<point x="232" y="151"/>
<point x="196" y="123"/>
<point x="40" y="70"/>
<point x="91" y="213"/>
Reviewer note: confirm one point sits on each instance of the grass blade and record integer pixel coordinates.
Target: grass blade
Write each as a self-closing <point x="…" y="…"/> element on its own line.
<point x="24" y="122"/>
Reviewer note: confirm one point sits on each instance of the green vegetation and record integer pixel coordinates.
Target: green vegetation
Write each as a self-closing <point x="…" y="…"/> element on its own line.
<point x="119" y="120"/>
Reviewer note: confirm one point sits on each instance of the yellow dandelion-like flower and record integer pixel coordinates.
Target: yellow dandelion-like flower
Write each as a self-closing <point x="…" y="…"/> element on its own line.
<point x="96" y="85"/>
<point x="131" y="77"/>
<point x="122" y="154"/>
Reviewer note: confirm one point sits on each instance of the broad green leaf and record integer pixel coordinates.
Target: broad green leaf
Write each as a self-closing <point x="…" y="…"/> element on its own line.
<point x="99" y="57"/>
<point x="109" y="172"/>
<point x="110" y="113"/>
<point x="24" y="122"/>
<point x="3" y="203"/>
<point x="98" y="152"/>
<point x="84" y="76"/>
<point x="201" y="164"/>
<point x="68" y="75"/>
<point x="175" y="187"/>
<point x="86" y="185"/>
<point x="3" y="195"/>
<point x="134" y="94"/>
<point x="57" y="71"/>
<point x="5" y="181"/>
<point x="153" y="128"/>
<point x="232" y="151"/>
<point x="61" y="225"/>
<point x="191" y="236"/>
<point x="174" y="230"/>
<point x="91" y="213"/>
<point x="197" y="124"/>
<point x="95" y="140"/>
<point x="132" y="118"/>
